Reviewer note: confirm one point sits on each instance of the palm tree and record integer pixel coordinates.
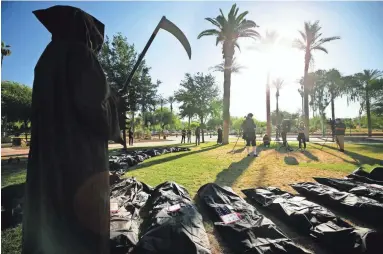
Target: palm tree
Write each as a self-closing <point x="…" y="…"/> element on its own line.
<point x="228" y="31"/>
<point x="335" y="87"/>
<point x="269" y="42"/>
<point x="311" y="40"/>
<point x="235" y="67"/>
<point x="171" y="100"/>
<point x="5" y="51"/>
<point x="278" y="84"/>
<point x="360" y="88"/>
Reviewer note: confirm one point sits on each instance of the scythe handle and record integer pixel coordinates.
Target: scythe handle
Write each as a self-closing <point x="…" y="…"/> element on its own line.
<point x="139" y="60"/>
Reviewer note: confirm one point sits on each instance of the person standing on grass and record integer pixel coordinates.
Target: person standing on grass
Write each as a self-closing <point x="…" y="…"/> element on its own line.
<point x="301" y="135"/>
<point x="131" y="136"/>
<point x="248" y="127"/>
<point x="189" y="136"/>
<point x="183" y="136"/>
<point x="219" y="131"/>
<point x="340" y="130"/>
<point x="66" y="204"/>
<point x="197" y="135"/>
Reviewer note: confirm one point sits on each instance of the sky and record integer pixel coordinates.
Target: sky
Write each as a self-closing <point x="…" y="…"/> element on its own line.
<point x="358" y="24"/>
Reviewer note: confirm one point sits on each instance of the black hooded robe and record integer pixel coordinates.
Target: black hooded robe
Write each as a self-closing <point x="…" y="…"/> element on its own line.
<point x="66" y="207"/>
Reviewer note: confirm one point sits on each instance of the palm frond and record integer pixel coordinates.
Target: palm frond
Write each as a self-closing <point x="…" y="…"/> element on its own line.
<point x="298" y="44"/>
<point x="241" y="17"/>
<point x="223" y="15"/>
<point x="246" y="24"/>
<point x="232" y="11"/>
<point x="249" y="34"/>
<point x="208" y="32"/>
<point x="214" y="22"/>
<point x="324" y="40"/>
<point x="320" y="48"/>
<point x="237" y="45"/>
<point x="303" y="35"/>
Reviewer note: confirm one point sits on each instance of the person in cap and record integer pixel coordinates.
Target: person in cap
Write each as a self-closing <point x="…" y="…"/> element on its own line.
<point x="66" y="206"/>
<point x="197" y="136"/>
<point x="301" y="135"/>
<point x="248" y="127"/>
<point x="340" y="130"/>
<point x="219" y="132"/>
<point x="189" y="136"/>
<point x="183" y="137"/>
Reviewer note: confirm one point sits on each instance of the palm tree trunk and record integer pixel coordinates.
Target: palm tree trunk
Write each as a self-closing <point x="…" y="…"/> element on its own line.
<point x="189" y="121"/>
<point x="368" y="112"/>
<point x="228" y="53"/>
<point x="332" y="110"/>
<point x="268" y="105"/>
<point x="306" y="95"/>
<point x="277" y="119"/>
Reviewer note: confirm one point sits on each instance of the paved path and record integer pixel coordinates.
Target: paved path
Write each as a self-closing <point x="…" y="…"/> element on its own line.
<point x="9" y="151"/>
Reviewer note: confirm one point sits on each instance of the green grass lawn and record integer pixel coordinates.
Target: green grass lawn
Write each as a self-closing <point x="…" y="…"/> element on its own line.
<point x="212" y="163"/>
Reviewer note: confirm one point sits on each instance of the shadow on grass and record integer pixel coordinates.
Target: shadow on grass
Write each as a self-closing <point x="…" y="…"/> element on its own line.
<point x="310" y="156"/>
<point x="13" y="172"/>
<point x="228" y="176"/>
<point x="290" y="160"/>
<point x="167" y="159"/>
<point x="358" y="158"/>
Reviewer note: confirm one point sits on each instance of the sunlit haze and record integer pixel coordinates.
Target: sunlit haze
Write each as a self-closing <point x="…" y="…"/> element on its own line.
<point x="358" y="24"/>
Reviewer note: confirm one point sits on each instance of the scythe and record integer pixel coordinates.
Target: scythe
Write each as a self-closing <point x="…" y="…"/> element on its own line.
<point x="171" y="28"/>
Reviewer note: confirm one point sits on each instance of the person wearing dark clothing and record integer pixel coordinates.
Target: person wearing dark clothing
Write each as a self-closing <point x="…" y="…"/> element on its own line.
<point x="197" y="136"/>
<point x="266" y="141"/>
<point x="301" y="135"/>
<point x="183" y="136"/>
<point x="130" y="136"/>
<point x="219" y="140"/>
<point x="66" y="205"/>
<point x="189" y="136"/>
<point x="340" y="129"/>
<point x="248" y="127"/>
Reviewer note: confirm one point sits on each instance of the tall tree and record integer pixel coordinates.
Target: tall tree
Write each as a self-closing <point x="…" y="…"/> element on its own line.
<point x="227" y="31"/>
<point x="16" y="104"/>
<point x="199" y="91"/>
<point x="310" y="40"/>
<point x="278" y="84"/>
<point x="118" y="57"/>
<point x="335" y="86"/>
<point x="5" y="51"/>
<point x="171" y="100"/>
<point x="269" y="41"/>
<point x="377" y="105"/>
<point x="360" y="87"/>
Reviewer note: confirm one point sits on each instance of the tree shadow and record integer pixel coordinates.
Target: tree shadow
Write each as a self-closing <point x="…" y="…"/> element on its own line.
<point x="345" y="160"/>
<point x="310" y="156"/>
<point x="290" y="160"/>
<point x="358" y="158"/>
<point x="240" y="150"/>
<point x="228" y="176"/>
<point x="146" y="164"/>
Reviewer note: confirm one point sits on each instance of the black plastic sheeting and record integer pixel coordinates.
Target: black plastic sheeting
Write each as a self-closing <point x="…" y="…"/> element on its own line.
<point x="363" y="208"/>
<point x="174" y="224"/>
<point x="253" y="232"/>
<point x="130" y="196"/>
<point x="373" y="191"/>
<point x="126" y="159"/>
<point x="374" y="177"/>
<point x="312" y="219"/>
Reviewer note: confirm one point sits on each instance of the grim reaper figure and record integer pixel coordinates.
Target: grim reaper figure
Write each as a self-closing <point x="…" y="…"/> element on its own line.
<point x="66" y="207"/>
